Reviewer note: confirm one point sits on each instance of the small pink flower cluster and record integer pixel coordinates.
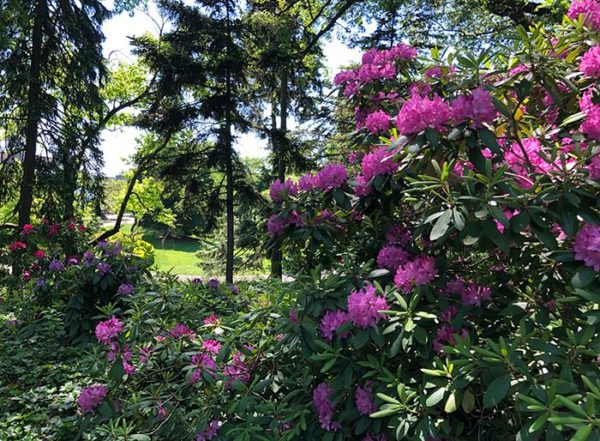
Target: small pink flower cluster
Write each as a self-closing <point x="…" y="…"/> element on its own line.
<point x="378" y="162"/>
<point x="590" y="62"/>
<point x="470" y="294"/>
<point x="420" y="271"/>
<point x="421" y="112"/>
<point x="445" y="335"/>
<point x="91" y="397"/>
<point x="331" y="321"/>
<point x="325" y="409"/>
<point x="331" y="176"/>
<point x="278" y="190"/>
<point x="591" y="125"/>
<point x="202" y="362"/>
<point x="391" y="257"/>
<point x="363" y="398"/>
<point x="398" y="234"/>
<point x="364" y="307"/>
<point x="590" y="9"/>
<point x="594" y="168"/>
<point x="276" y="223"/>
<point x="478" y="107"/>
<point x="375" y="437"/>
<point x="181" y="330"/>
<point x="108" y="330"/>
<point x="587" y="246"/>
<point x="377" y="122"/>
<point x="210" y="431"/>
<point x="238" y="369"/>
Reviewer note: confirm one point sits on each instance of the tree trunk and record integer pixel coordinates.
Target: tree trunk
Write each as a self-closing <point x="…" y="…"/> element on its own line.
<point x="33" y="115"/>
<point x="229" y="165"/>
<point x="280" y="146"/>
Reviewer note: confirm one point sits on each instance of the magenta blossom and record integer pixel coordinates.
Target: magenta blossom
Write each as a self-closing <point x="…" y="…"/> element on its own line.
<point x="363" y="398"/>
<point x="589" y="9"/>
<point x="590" y="62"/>
<point x="331" y="321"/>
<point x="210" y="431"/>
<point x="331" y="176"/>
<point x="377" y="122"/>
<point x="322" y="402"/>
<point x="419" y="113"/>
<point x="420" y="271"/>
<point x="211" y="346"/>
<point x="587" y="246"/>
<point x="391" y="257"/>
<point x="91" y="397"/>
<point x="108" y="330"/>
<point x="278" y="190"/>
<point x="364" y="307"/>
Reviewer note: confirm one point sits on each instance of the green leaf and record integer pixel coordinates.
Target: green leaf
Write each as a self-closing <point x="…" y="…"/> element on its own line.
<point x="582" y="434"/>
<point x="468" y="401"/>
<point x="441" y="225"/>
<point x="435" y="397"/>
<point x="496" y="391"/>
<point x="489" y="140"/>
<point x="451" y="404"/>
<point x="539" y="423"/>
<point x="583" y="276"/>
<point x="140" y="437"/>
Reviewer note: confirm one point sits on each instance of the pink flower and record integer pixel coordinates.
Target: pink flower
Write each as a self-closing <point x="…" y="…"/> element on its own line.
<point x="398" y="235"/>
<point x="594" y="168"/>
<point x="27" y="229"/>
<point x="591" y="124"/>
<point x="210" y="431"/>
<point x="306" y="182"/>
<point x="108" y="330"/>
<point x="475" y="295"/>
<point x="145" y="354"/>
<point x="377" y="122"/>
<point x="590" y="9"/>
<point x="587" y="246"/>
<point x="420" y="271"/>
<point x="331" y="176"/>
<point x="590" y="62"/>
<point x="39" y="254"/>
<point x="278" y="190"/>
<point x="276" y="225"/>
<point x="91" y="397"/>
<point x="211" y="346"/>
<point x="181" y="330"/>
<point x="53" y="230"/>
<point x="322" y="401"/>
<point x="344" y="76"/>
<point x="478" y="107"/>
<point x="364" y="306"/>
<point x="448" y="314"/>
<point x="375" y="437"/>
<point x="379" y="162"/>
<point x="15" y="246"/>
<point x="363" y="398"/>
<point x="211" y="320"/>
<point x="528" y="153"/>
<point x="419" y="113"/>
<point x="445" y="335"/>
<point x="237" y="370"/>
<point x="331" y="321"/>
<point x="391" y="257"/>
<point x="161" y="412"/>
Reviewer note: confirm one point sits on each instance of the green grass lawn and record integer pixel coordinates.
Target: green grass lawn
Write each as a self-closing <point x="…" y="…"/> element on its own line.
<point x="176" y="255"/>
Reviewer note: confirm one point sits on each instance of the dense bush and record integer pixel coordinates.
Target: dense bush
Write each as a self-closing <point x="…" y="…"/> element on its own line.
<point x="55" y="264"/>
<point x="454" y="290"/>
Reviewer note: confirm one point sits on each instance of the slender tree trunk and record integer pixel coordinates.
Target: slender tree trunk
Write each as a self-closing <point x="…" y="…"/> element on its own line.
<point x="229" y="167"/>
<point x="280" y="146"/>
<point x="33" y="114"/>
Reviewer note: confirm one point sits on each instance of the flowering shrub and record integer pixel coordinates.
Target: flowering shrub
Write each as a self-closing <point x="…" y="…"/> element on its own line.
<point x="195" y="362"/>
<point x="56" y="264"/>
<point x="450" y="291"/>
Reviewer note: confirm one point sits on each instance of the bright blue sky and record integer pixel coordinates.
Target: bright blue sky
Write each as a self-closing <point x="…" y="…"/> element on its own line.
<point x="119" y="145"/>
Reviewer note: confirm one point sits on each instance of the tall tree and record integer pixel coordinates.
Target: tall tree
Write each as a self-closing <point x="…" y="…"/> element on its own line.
<point x="52" y="60"/>
<point x="200" y="73"/>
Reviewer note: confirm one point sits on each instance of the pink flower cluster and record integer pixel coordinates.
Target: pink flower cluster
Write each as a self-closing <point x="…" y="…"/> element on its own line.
<point x="594" y="168"/>
<point x="421" y="112"/>
<point x="590" y="62"/>
<point x="181" y="330"/>
<point x="478" y="107"/>
<point x="363" y="398"/>
<point x="331" y="176"/>
<point x="202" y="362"/>
<point x="391" y="257"/>
<point x="325" y="409"/>
<point x="210" y="431"/>
<point x="277" y="223"/>
<point x="398" y="234"/>
<point x="445" y="335"/>
<point x="587" y="246"/>
<point x="331" y="321"/>
<point x="278" y="190"/>
<point x="420" y="271"/>
<point x="91" y="397"/>
<point x="590" y="9"/>
<point x="470" y="294"/>
<point x="591" y="124"/>
<point x="377" y="122"/>
<point x="364" y="307"/>
<point x="238" y="369"/>
<point x="528" y="154"/>
<point x="108" y="330"/>
<point x="379" y="162"/>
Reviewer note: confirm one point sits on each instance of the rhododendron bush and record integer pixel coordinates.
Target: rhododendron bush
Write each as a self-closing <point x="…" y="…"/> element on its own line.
<point x="450" y="287"/>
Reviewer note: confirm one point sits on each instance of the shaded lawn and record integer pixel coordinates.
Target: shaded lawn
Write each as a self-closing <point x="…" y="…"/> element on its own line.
<point x="175" y="255"/>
